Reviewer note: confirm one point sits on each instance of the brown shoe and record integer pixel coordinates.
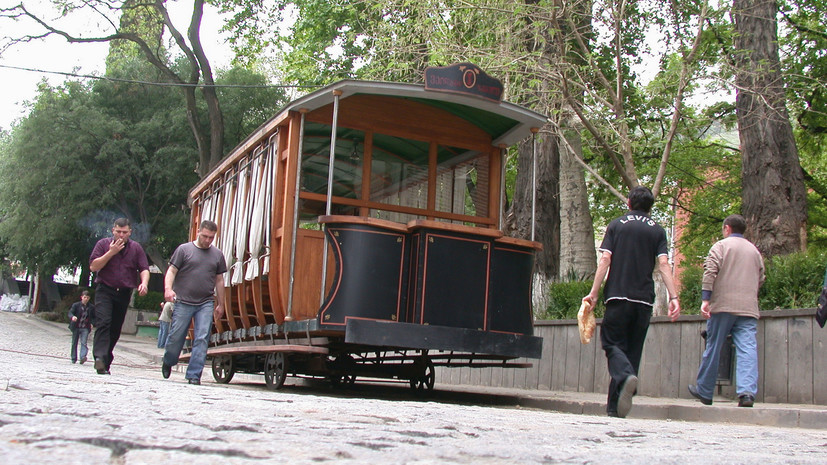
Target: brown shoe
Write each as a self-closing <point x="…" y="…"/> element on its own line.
<point x="82" y="360"/>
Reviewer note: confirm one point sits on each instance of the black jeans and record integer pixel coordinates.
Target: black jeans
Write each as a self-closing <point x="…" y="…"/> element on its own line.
<point x="622" y="334"/>
<point x="110" y="312"/>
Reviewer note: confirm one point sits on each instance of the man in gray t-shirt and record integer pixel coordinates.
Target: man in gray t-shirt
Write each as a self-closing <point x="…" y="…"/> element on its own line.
<point x="195" y="282"/>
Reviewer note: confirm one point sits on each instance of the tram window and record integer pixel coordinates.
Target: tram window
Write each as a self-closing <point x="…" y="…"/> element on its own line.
<point x="399" y="176"/>
<point x="462" y="182"/>
<point x="399" y="171"/>
<point x="347" y="167"/>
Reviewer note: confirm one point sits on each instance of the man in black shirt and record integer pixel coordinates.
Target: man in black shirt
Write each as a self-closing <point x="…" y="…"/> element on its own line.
<point x="632" y="245"/>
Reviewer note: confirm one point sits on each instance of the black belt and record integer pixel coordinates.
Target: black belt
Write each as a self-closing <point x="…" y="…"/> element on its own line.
<point x="116" y="289"/>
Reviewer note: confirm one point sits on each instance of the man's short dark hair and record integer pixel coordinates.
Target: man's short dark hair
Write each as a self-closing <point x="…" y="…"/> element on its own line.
<point x="737" y="223"/>
<point x="641" y="199"/>
<point x="84" y="293"/>
<point x="209" y="226"/>
<point x="123" y="223"/>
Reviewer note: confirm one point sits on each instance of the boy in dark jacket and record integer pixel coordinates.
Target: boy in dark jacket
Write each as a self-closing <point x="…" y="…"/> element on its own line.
<point x="81" y="315"/>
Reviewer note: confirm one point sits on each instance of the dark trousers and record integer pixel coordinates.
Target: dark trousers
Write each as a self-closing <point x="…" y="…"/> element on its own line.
<point x="622" y="334"/>
<point x="110" y="312"/>
<point x="74" y="353"/>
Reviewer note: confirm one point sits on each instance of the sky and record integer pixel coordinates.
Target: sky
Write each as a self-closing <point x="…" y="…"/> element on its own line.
<point x="56" y="55"/>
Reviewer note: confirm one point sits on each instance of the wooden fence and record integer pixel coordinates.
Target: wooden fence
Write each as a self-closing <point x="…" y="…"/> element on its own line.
<point x="792" y="360"/>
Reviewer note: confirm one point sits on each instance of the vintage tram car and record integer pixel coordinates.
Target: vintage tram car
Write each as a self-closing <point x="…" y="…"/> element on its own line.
<point x="362" y="232"/>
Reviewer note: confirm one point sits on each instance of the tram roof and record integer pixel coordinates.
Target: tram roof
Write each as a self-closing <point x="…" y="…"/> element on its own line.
<point x="507" y="123"/>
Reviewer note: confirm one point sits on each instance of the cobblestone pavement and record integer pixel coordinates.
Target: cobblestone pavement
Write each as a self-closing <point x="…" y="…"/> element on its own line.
<point x="54" y="412"/>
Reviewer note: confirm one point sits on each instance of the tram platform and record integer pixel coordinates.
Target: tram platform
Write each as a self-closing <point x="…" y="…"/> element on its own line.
<point x="582" y="403"/>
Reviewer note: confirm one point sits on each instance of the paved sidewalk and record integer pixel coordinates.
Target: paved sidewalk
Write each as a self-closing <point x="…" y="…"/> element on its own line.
<point x="727" y="411"/>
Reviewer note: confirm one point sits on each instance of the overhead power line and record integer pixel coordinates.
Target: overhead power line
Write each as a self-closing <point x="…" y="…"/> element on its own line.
<point x="160" y="84"/>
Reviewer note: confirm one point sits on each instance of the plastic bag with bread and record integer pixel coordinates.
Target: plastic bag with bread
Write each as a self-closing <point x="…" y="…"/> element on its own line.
<point x="585" y="322"/>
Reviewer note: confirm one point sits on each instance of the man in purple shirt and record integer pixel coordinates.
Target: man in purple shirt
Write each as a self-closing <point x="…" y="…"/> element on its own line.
<point x="121" y="266"/>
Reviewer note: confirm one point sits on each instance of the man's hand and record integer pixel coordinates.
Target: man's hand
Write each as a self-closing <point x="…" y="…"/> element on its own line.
<point x="116" y="246"/>
<point x="674" y="310"/>
<point x="705" y="309"/>
<point x="169" y="295"/>
<point x="218" y="311"/>
<point x="142" y="289"/>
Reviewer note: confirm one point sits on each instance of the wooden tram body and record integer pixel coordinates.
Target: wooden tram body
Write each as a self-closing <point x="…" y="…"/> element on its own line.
<point x="384" y="263"/>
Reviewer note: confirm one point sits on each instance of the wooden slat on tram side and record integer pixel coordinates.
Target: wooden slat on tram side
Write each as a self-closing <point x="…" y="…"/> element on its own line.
<point x="244" y="298"/>
<point x="231" y="309"/>
<point x="220" y="324"/>
<point x="270" y="314"/>
<point x="258" y="302"/>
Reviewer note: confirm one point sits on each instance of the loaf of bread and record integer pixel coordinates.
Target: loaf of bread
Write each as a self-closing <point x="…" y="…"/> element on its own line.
<point x="585" y="322"/>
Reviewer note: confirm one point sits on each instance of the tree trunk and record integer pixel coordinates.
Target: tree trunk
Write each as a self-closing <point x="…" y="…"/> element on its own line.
<point x="547" y="213"/>
<point x="216" y="118"/>
<point x="578" y="261"/>
<point x="773" y="194"/>
<point x="577" y="246"/>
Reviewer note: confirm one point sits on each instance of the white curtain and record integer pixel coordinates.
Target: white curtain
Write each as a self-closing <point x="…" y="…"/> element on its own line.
<point x="209" y="211"/>
<point x="206" y="205"/>
<point x="257" y="190"/>
<point x="228" y="220"/>
<point x="242" y="223"/>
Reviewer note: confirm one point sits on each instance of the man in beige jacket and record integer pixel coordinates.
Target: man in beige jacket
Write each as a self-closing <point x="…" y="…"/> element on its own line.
<point x="733" y="273"/>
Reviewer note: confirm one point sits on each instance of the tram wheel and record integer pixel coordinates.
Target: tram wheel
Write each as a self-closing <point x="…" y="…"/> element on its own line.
<point x="425" y="382"/>
<point x="275" y="370"/>
<point x="223" y="368"/>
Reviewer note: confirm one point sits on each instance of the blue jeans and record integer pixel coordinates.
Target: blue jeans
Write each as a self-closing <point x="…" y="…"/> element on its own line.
<point x="79" y="335"/>
<point x="163" y="334"/>
<point x="201" y="318"/>
<point x="743" y="331"/>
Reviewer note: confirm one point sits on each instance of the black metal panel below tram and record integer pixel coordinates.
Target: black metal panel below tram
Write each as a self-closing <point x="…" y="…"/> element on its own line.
<point x="371" y="274"/>
<point x="509" y="294"/>
<point x="452" y="280"/>
<point x="429" y="337"/>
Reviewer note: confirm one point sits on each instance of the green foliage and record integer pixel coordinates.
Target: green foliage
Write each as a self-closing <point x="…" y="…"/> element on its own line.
<point x="690" y="293"/>
<point x="149" y="301"/>
<point x="47" y="179"/>
<point x="565" y="299"/>
<point x="793" y="281"/>
<point x="710" y="190"/>
<point x="245" y="108"/>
